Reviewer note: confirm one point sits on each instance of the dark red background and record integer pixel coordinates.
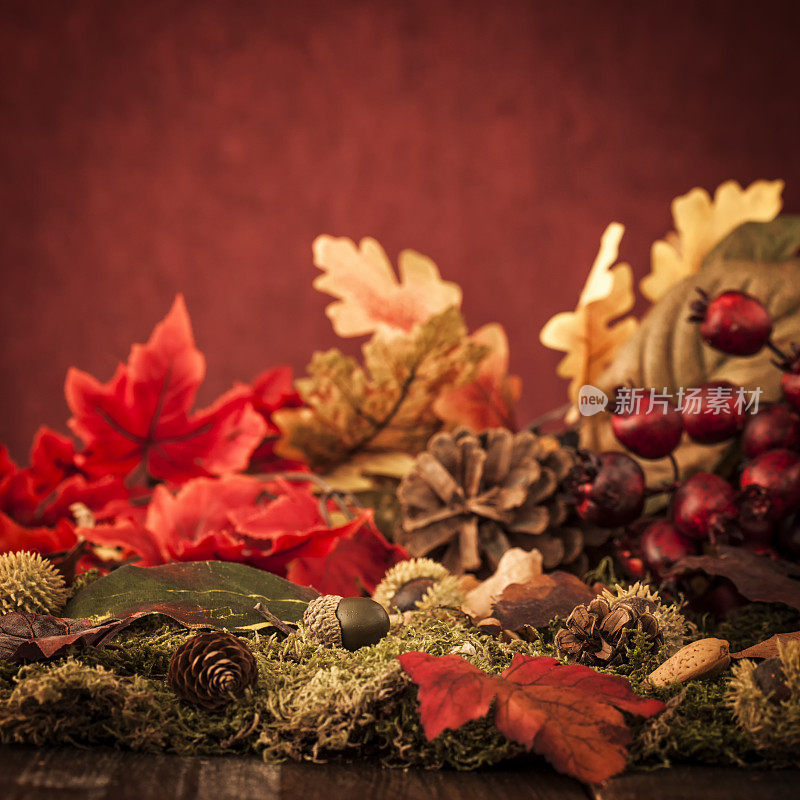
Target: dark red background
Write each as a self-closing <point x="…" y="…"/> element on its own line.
<point x="153" y="147"/>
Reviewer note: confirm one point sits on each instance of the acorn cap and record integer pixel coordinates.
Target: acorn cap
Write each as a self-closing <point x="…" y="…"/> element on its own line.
<point x="30" y="583"/>
<point x="349" y="622"/>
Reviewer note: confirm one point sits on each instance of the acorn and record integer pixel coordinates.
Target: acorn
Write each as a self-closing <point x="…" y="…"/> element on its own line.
<point x="418" y="583"/>
<point x="348" y="622"/>
<point x="30" y="583"/>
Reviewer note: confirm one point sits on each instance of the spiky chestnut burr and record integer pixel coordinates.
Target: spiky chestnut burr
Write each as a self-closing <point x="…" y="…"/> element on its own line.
<point x="733" y="322"/>
<point x="349" y="622"/>
<point x="418" y="583"/>
<point x="30" y="583"/>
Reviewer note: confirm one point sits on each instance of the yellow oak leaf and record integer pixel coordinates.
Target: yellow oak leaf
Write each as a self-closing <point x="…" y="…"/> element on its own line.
<point x="588" y="335"/>
<point x="488" y="401"/>
<point x="700" y="224"/>
<point x="384" y="406"/>
<point x="370" y="295"/>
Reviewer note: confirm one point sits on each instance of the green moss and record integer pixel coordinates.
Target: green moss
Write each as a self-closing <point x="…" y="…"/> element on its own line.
<point x="313" y="702"/>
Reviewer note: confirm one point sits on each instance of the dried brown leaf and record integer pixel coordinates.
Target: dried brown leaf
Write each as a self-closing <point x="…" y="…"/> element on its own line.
<point x="769" y="647"/>
<point x="758" y="578"/>
<point x="536" y="602"/>
<point x="384" y="406"/>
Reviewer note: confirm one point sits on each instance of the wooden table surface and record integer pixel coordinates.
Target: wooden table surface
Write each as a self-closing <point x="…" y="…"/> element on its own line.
<point x="28" y="773"/>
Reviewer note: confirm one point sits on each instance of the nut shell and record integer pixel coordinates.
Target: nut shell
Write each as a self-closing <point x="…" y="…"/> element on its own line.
<point x="363" y="622"/>
<point x="704" y="658"/>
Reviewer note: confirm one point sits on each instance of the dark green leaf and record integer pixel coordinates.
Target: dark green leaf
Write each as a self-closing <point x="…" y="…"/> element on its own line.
<point x="198" y="594"/>
<point x="777" y="240"/>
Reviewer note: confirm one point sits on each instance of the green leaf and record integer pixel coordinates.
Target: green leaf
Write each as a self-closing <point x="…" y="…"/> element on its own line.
<point x="776" y="240"/>
<point x="198" y="594"/>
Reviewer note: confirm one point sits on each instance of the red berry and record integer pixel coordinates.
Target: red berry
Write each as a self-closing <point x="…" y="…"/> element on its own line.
<point x="608" y="489"/>
<point x="632" y="565"/>
<point x="755" y="523"/>
<point x="654" y="433"/>
<point x="772" y="427"/>
<point x="714" y="413"/>
<point x="790" y="385"/>
<point x="703" y="505"/>
<point x="662" y="545"/>
<point x="778" y="473"/>
<point x="733" y="322"/>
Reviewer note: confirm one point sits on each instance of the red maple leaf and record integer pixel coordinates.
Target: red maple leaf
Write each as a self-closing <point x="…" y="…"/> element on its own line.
<point x="571" y="715"/>
<point x="271" y="391"/>
<point x="354" y="566"/>
<point x="140" y="422"/>
<point x="14" y="537"/>
<point x="268" y="525"/>
<point x="42" y="493"/>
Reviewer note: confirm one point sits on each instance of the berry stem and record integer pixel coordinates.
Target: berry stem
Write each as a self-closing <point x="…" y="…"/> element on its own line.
<point x="778" y="352"/>
<point x="676" y="472"/>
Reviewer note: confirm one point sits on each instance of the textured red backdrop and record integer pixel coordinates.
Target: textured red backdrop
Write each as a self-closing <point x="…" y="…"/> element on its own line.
<point x="153" y="147"/>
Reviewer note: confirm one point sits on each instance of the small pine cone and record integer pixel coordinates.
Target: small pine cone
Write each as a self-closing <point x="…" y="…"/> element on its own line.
<point x="210" y="669"/>
<point x="30" y="583"/>
<point x="469" y="498"/>
<point x="597" y="635"/>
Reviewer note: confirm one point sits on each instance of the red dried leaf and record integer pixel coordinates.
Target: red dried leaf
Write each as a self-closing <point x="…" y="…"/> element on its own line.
<point x="490" y="400"/>
<point x="536" y="602"/>
<point x="234" y="518"/>
<point x="141" y="419"/>
<point x="355" y="565"/>
<point x="14" y="537"/>
<point x="37" y="637"/>
<point x="758" y="578"/>
<point x="270" y="392"/>
<point x="571" y="715"/>
<point x="769" y="647"/>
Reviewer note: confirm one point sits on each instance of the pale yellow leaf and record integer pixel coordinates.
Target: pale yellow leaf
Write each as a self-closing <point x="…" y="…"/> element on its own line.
<point x="701" y="223"/>
<point x="589" y="335"/>
<point x="370" y="295"/>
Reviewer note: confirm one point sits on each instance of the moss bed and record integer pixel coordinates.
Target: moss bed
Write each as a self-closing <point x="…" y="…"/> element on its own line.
<point x="318" y="703"/>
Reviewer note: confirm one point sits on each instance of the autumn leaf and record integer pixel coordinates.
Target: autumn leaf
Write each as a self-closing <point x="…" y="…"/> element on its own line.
<point x="14" y="537"/>
<point x="140" y="422"/>
<point x="701" y="223"/>
<point x="370" y="296"/>
<point x="769" y="647"/>
<point x="589" y="335"/>
<point x="38" y="637"/>
<point x="534" y="603"/>
<point x="490" y="399"/>
<point x="354" y="566"/>
<point x="386" y="405"/>
<point x="758" y="578"/>
<point x="198" y="594"/>
<point x="571" y="715"/>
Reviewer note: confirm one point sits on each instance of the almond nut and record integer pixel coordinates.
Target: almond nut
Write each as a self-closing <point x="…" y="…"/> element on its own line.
<point x="701" y="659"/>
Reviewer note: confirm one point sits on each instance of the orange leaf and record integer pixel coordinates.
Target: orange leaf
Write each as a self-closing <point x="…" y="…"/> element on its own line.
<point x="370" y="296"/>
<point x="489" y="401"/>
<point x="571" y="715"/>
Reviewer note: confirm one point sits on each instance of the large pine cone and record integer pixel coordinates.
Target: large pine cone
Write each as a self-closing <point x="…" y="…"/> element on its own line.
<point x="471" y="497"/>
<point x="210" y="669"/>
<point x="597" y="635"/>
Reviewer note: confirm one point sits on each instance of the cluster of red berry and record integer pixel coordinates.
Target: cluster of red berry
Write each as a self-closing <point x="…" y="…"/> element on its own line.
<point x="609" y="489"/>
